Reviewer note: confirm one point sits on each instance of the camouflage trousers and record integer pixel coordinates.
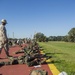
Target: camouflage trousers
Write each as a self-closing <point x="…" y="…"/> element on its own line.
<point x="6" y="48"/>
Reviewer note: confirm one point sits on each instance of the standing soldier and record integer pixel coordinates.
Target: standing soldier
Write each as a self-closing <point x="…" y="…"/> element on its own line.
<point x="3" y="38"/>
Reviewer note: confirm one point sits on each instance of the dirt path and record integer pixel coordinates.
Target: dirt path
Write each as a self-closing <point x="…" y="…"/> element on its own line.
<point x="18" y="69"/>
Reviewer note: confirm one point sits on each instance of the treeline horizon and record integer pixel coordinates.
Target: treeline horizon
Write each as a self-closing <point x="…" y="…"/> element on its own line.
<point x="70" y="37"/>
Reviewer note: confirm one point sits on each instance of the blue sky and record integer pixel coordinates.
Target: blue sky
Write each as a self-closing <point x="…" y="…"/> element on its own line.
<point x="25" y="17"/>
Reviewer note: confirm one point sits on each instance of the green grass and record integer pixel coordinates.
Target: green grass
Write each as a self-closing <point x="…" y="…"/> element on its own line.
<point x="63" y="55"/>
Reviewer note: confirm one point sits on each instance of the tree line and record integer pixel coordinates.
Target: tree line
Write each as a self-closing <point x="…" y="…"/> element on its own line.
<point x="70" y="37"/>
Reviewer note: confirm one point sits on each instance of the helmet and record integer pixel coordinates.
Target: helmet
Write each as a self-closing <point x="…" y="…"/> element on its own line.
<point x="4" y="21"/>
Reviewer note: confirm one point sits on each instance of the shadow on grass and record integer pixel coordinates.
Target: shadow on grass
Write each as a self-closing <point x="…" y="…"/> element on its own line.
<point x="55" y="61"/>
<point x="53" y="53"/>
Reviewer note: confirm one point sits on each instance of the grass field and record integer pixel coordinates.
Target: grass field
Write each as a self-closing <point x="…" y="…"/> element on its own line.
<point x="63" y="55"/>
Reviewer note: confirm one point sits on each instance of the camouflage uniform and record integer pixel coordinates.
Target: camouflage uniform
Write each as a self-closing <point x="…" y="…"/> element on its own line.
<point x="3" y="40"/>
<point x="39" y="72"/>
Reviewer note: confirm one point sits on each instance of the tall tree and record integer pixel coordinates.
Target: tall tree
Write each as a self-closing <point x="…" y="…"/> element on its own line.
<point x="71" y="35"/>
<point x="40" y="37"/>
